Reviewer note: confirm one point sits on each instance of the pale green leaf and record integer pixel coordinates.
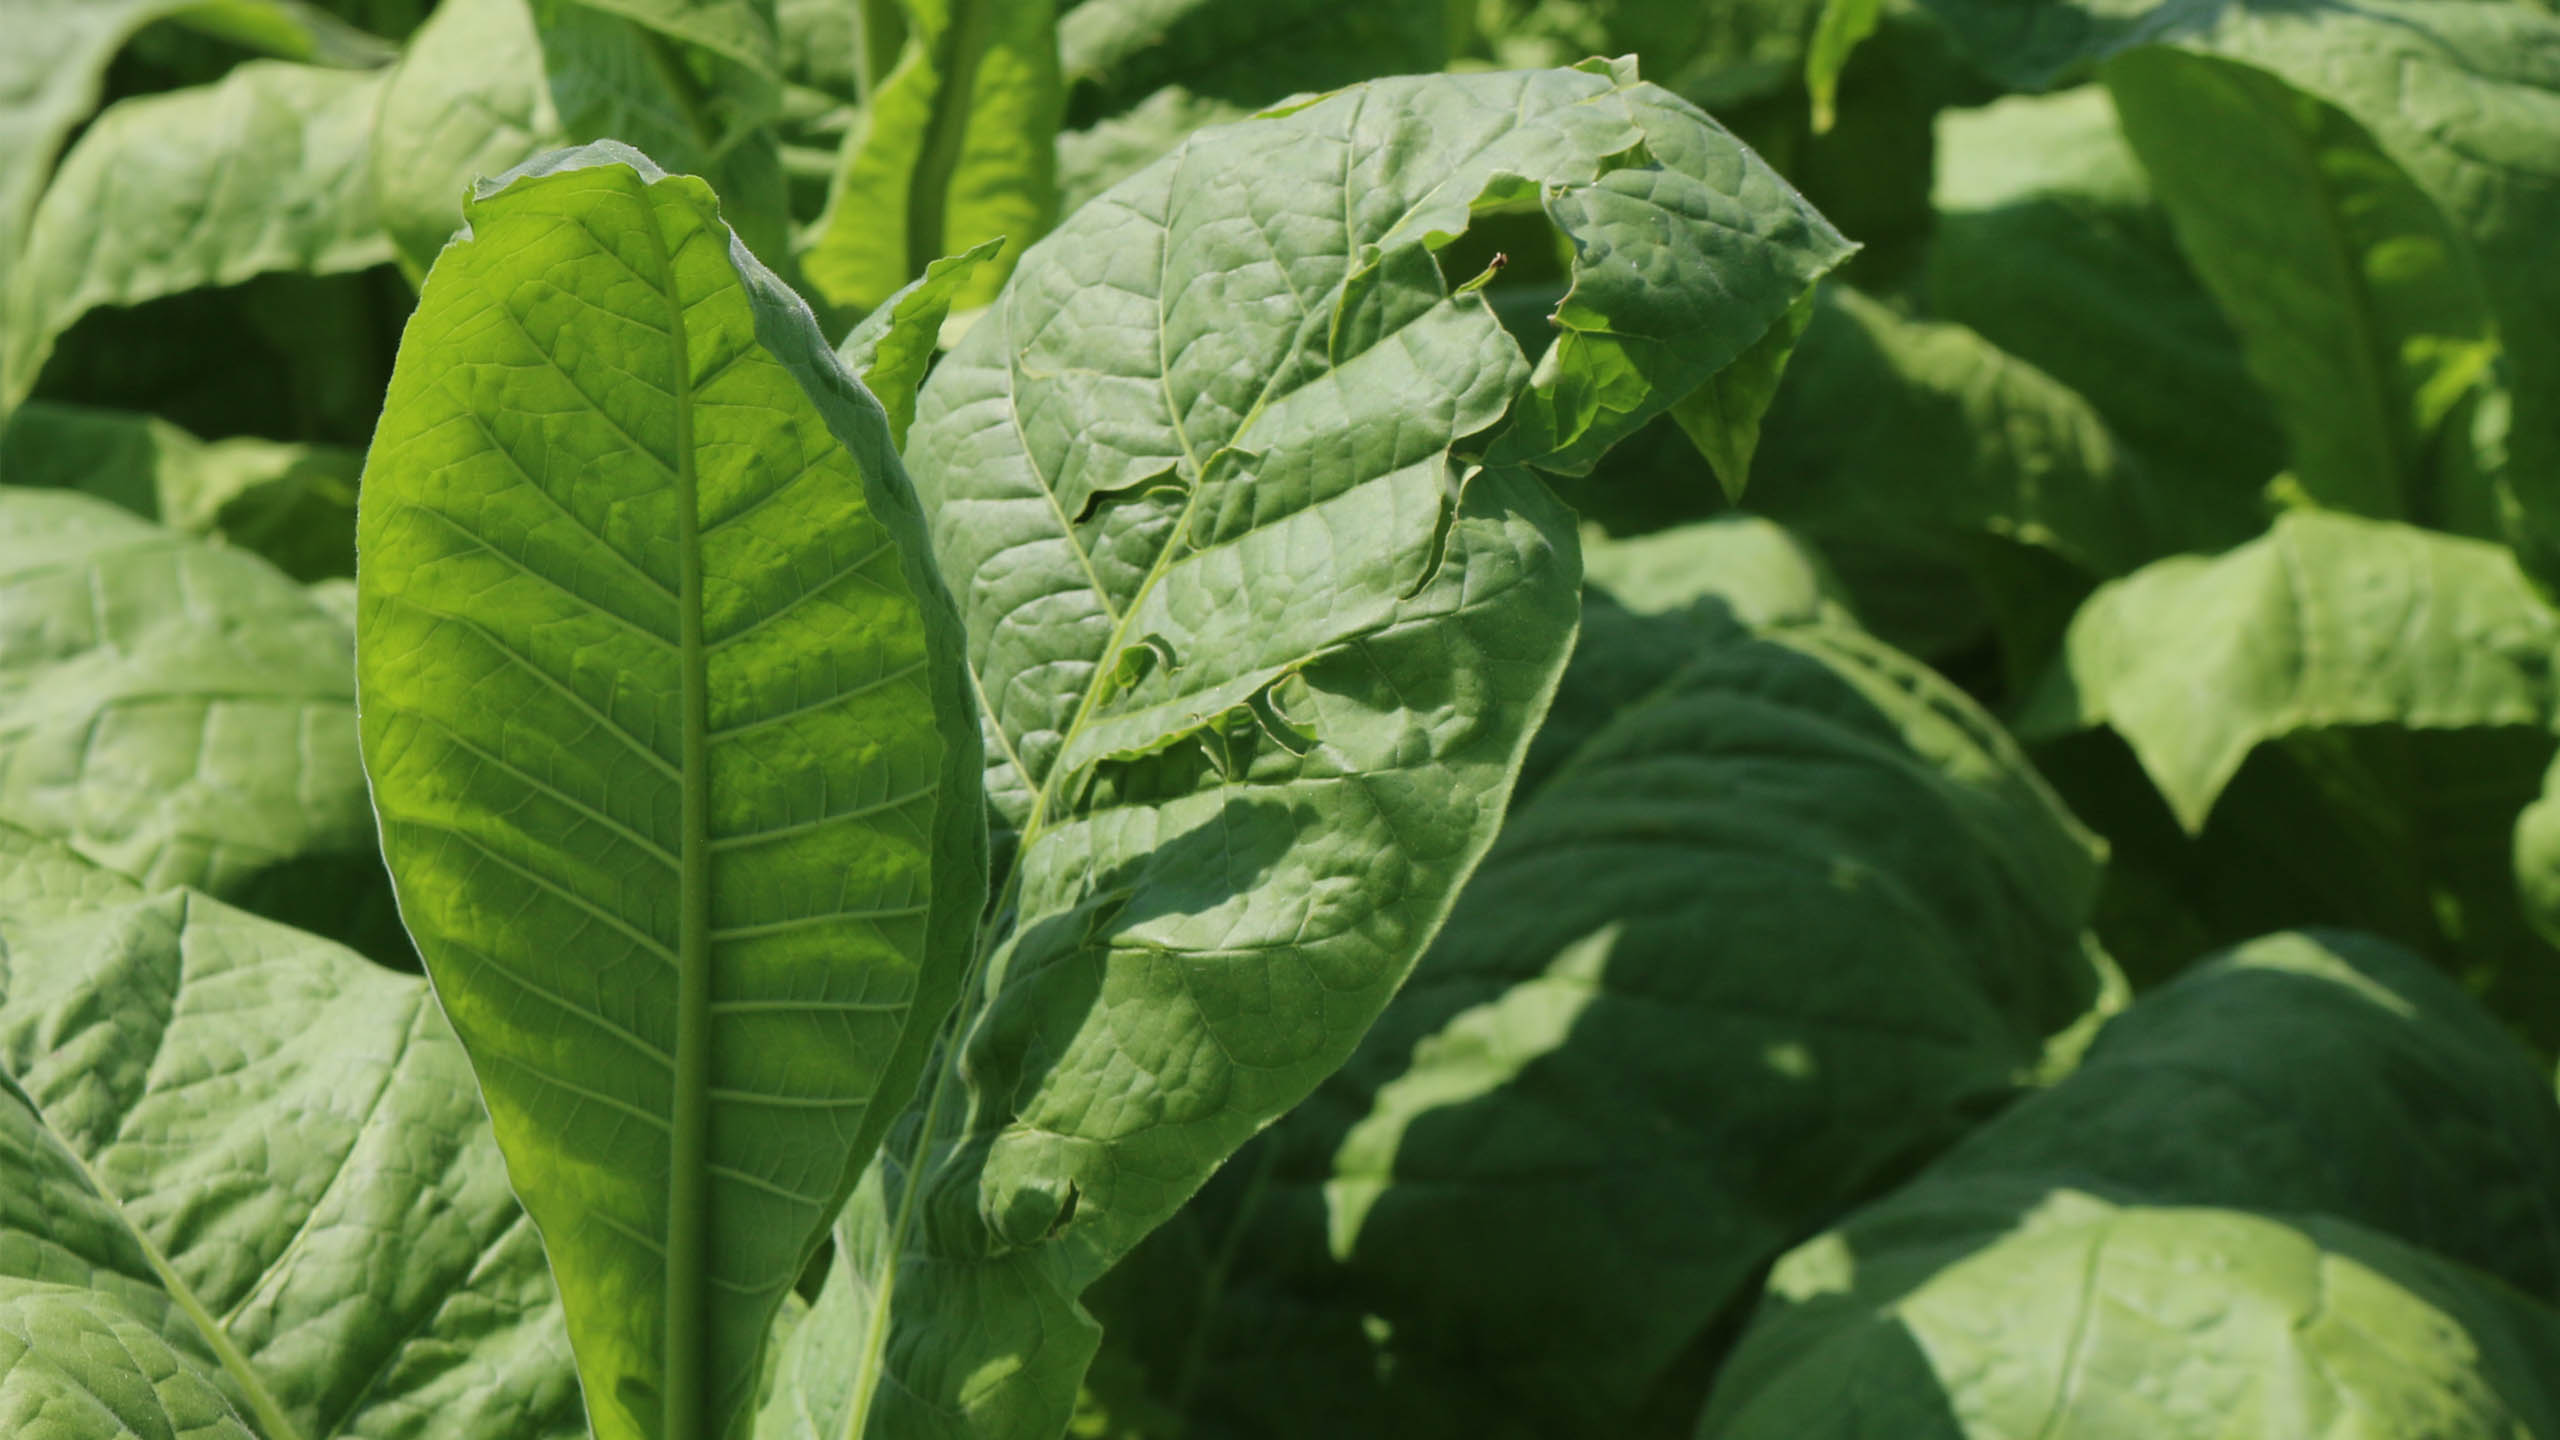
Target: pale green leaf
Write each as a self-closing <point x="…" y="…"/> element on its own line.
<point x="2327" y="621"/>
<point x="488" y="84"/>
<point x="893" y="345"/>
<point x="955" y="147"/>
<point x="1261" y="649"/>
<point x="293" y="504"/>
<point x="667" y="724"/>
<point x="269" y="1152"/>
<point x="267" y="170"/>
<point x="181" y="712"/>
<point x="2364" y="1134"/>
<point x="467" y="100"/>
<point x="50" y="77"/>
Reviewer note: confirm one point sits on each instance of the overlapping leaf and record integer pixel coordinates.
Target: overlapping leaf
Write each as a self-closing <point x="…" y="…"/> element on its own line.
<point x="1260" y="654"/>
<point x="1781" y="930"/>
<point x="2327" y="621"/>
<point x="183" y="713"/>
<point x="666" y="718"/>
<point x="2364" y="1136"/>
<point x="2386" y="110"/>
<point x="254" y="1166"/>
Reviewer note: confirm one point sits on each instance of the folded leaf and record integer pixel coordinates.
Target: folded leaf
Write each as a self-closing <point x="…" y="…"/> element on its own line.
<point x="269" y="1152"/>
<point x="50" y="76"/>
<point x="665" y="715"/>
<point x="1261" y="651"/>
<point x="183" y="713"/>
<point x="890" y="350"/>
<point x="956" y="146"/>
<point x="2327" y="621"/>
<point x="2366" y="1135"/>
<point x="267" y="170"/>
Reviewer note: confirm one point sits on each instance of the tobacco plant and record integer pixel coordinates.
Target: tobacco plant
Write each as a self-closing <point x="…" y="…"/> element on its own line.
<point x="903" y="720"/>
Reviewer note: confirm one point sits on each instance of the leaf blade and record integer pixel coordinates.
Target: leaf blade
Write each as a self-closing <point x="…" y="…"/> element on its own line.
<point x="733" y="809"/>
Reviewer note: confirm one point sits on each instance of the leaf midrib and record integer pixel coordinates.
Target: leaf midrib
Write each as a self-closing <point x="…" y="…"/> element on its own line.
<point x="685" y="1362"/>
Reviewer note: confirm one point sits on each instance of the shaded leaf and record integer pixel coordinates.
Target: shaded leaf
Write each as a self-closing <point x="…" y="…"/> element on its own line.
<point x="2328" y="621"/>
<point x="2342" y="1107"/>
<point x="1780" y="931"/>
<point x="268" y="170"/>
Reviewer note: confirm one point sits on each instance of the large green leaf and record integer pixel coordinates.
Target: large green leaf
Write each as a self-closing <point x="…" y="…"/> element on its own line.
<point x="1783" y="929"/>
<point x="293" y="504"/>
<point x="267" y="1153"/>
<point x="2327" y="621"/>
<point x="667" y="721"/>
<point x="183" y="713"/>
<point x="2458" y="100"/>
<point x="955" y="147"/>
<point x="2367" y="1135"/>
<point x="1260" y="649"/>
<point x="2050" y="245"/>
<point x="268" y="170"/>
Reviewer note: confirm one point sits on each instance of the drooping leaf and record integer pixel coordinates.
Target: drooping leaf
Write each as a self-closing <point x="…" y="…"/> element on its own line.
<point x="666" y="720"/>
<point x="2326" y="622"/>
<point x="268" y="170"/>
<point x="293" y="504"/>
<point x="2461" y="97"/>
<point x="892" y="346"/>
<point x="1782" y="930"/>
<point x="182" y="712"/>
<point x="1260" y="648"/>
<point x="2365" y="1136"/>
<point x="488" y="84"/>
<point x="2050" y="245"/>
<point x="1722" y="417"/>
<point x="2358" y="307"/>
<point x="957" y="146"/>
<point x="50" y="74"/>
<point x="268" y="1153"/>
